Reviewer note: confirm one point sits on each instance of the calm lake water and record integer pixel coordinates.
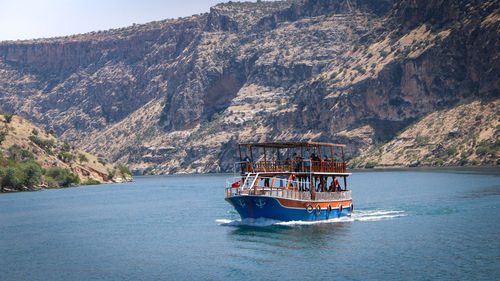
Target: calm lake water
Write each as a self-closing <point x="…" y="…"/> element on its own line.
<point x="411" y="225"/>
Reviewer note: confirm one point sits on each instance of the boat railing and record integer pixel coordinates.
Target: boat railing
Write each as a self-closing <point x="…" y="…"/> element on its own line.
<point x="333" y="196"/>
<point x="264" y="166"/>
<point x="291" y="189"/>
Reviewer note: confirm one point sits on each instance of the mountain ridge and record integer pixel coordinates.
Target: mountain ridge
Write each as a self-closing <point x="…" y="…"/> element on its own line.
<point x="177" y="95"/>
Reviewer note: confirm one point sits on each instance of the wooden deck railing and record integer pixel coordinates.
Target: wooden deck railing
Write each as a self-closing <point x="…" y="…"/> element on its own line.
<point x="291" y="194"/>
<point x="293" y="166"/>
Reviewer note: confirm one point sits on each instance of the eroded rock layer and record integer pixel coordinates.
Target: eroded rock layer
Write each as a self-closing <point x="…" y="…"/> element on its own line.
<point x="178" y="95"/>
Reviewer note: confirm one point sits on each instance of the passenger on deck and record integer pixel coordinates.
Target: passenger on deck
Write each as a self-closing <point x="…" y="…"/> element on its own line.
<point x="336" y="185"/>
<point x="320" y="186"/>
<point x="298" y="164"/>
<point x="314" y="157"/>
<point x="331" y="188"/>
<point x="266" y="182"/>
<point x="295" y="160"/>
<point x="248" y="164"/>
<point x="293" y="182"/>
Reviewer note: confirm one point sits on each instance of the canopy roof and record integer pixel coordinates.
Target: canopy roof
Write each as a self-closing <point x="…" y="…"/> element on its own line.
<point x="289" y="144"/>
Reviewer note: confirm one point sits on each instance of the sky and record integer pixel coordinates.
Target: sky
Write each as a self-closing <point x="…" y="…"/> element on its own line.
<point x="31" y="19"/>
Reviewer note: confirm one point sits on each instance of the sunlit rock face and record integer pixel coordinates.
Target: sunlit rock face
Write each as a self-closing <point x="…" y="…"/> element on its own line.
<point x="356" y="72"/>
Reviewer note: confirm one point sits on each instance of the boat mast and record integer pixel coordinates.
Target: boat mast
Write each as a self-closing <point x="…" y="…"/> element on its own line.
<point x="239" y="148"/>
<point x="310" y="167"/>
<point x="265" y="158"/>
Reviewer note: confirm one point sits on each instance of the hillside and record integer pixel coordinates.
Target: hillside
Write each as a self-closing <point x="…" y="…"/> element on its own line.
<point x="33" y="159"/>
<point x="176" y="96"/>
<point x="468" y="134"/>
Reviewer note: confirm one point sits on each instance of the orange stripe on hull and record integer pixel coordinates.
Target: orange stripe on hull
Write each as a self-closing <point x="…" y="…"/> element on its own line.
<point x="303" y="204"/>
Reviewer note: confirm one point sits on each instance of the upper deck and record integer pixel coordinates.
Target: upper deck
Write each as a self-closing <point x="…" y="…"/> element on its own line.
<point x="292" y="157"/>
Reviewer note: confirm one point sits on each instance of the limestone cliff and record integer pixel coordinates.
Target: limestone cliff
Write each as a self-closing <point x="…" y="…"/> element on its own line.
<point x="178" y="95"/>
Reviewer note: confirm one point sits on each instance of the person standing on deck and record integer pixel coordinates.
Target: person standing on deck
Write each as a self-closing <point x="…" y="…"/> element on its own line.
<point x="248" y="162"/>
<point x="336" y="185"/>
<point x="331" y="188"/>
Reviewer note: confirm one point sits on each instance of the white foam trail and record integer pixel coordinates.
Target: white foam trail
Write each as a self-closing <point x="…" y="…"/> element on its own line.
<point x="250" y="222"/>
<point x="361" y="215"/>
<point x="375" y="215"/>
<point x="375" y="212"/>
<point x="291" y="223"/>
<point x="224" y="221"/>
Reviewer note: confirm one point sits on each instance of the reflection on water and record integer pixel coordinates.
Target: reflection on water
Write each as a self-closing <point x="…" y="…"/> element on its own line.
<point x="476" y="193"/>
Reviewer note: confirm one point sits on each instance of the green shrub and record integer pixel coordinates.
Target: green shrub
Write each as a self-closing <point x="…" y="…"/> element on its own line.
<point x="82" y="157"/>
<point x="65" y="156"/>
<point x="466" y="153"/>
<point x="102" y="161"/>
<point x="51" y="182"/>
<point x="370" y="164"/>
<point x="34" y="132"/>
<point x="91" y="181"/>
<point x="26" y="154"/>
<point x="11" y="177"/>
<point x="8" y="116"/>
<point x="124" y="170"/>
<point x="450" y="151"/>
<point x="17" y="174"/>
<point x="17" y="153"/>
<point x="487" y="148"/>
<point x="3" y="134"/>
<point x="66" y="147"/>
<point x="439" y="162"/>
<point x="43" y="144"/>
<point x="463" y="161"/>
<point x="149" y="170"/>
<point x="62" y="176"/>
<point x="32" y="173"/>
<point x="111" y="174"/>
<point x="421" y="139"/>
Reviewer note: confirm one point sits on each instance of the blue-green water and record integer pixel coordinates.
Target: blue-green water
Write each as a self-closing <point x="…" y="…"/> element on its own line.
<point x="411" y="225"/>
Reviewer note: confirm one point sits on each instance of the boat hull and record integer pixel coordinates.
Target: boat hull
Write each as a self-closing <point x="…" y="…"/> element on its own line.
<point x="259" y="206"/>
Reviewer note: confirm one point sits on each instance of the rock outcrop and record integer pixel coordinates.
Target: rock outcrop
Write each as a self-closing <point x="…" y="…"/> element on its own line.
<point x="352" y="71"/>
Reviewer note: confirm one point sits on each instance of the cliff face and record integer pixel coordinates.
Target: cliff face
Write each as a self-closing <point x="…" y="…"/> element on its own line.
<point x="177" y="95"/>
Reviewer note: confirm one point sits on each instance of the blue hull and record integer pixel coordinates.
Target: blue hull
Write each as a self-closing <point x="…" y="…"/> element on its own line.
<point x="256" y="206"/>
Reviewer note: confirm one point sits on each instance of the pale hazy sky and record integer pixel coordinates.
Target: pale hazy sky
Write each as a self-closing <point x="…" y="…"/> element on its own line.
<point x="29" y="19"/>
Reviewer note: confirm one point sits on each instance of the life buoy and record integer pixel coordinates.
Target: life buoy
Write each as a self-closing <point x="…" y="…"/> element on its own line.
<point x="309" y="208"/>
<point x="340" y="209"/>
<point x="329" y="208"/>
<point x="318" y="209"/>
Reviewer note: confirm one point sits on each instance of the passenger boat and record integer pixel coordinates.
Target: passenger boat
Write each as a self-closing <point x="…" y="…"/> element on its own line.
<point x="290" y="181"/>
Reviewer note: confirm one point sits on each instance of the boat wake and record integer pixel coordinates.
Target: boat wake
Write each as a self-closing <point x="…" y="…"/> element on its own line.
<point x="376" y="215"/>
<point x="261" y="222"/>
<point x="358" y="215"/>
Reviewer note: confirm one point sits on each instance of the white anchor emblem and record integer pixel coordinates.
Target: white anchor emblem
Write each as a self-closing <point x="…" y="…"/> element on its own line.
<point x="260" y="203"/>
<point x="242" y="203"/>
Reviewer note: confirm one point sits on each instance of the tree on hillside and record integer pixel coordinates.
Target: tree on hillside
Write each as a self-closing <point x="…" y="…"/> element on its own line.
<point x="8" y="116"/>
<point x="3" y="134"/>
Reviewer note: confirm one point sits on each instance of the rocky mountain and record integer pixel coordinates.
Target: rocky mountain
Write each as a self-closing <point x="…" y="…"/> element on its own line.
<point x="178" y="95"/>
<point x="33" y="159"/>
